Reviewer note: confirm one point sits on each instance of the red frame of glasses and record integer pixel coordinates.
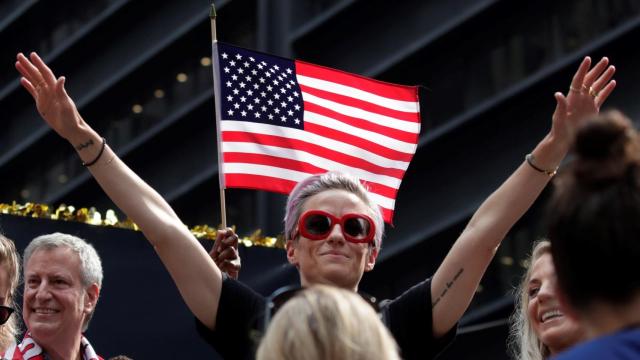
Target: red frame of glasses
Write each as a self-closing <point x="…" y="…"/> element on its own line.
<point x="335" y="220"/>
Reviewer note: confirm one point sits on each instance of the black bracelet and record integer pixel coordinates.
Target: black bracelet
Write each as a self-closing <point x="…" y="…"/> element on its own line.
<point x="104" y="144"/>
<point x="531" y="161"/>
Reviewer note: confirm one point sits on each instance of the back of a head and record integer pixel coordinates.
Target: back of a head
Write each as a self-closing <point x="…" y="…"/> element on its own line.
<point x="594" y="215"/>
<point x="324" y="322"/>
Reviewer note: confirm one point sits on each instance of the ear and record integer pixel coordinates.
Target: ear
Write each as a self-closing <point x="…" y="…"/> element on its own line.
<point x="91" y="298"/>
<point x="371" y="260"/>
<point x="291" y="253"/>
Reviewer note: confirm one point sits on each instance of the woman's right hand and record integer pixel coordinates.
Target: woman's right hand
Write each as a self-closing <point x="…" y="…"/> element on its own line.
<point x="52" y="101"/>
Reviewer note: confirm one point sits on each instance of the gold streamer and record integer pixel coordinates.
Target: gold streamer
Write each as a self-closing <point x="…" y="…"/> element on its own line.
<point x="92" y="217"/>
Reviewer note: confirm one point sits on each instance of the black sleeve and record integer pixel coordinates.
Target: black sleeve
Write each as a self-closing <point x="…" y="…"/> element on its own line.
<point x="409" y="318"/>
<point x="240" y="311"/>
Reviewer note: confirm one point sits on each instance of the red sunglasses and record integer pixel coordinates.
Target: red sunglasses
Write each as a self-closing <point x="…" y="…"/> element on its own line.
<point x="318" y="224"/>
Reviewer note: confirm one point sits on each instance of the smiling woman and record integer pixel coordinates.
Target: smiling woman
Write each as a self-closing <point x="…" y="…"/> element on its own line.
<point x="539" y="327"/>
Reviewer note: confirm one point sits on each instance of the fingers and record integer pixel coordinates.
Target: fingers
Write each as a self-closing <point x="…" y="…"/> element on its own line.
<point x="45" y="71"/>
<point x="604" y="93"/>
<point x="578" y="78"/>
<point x="228" y="254"/>
<point x="27" y="85"/>
<point x="594" y="73"/>
<point x="561" y="104"/>
<point x="604" y="79"/>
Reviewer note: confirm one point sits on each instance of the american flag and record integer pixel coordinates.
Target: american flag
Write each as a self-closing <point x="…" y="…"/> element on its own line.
<point x="281" y="120"/>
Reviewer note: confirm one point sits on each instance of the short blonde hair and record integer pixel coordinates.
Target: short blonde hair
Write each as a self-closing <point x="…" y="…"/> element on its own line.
<point x="325" y="322"/>
<point x="524" y="344"/>
<point x="10" y="262"/>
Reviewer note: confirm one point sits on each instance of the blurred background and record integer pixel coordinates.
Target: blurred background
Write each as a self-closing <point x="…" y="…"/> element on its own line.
<point x="140" y="73"/>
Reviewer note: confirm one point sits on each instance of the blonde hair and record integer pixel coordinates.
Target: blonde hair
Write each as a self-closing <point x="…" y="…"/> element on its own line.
<point x="524" y="344"/>
<point x="10" y="262"/>
<point x="324" y="322"/>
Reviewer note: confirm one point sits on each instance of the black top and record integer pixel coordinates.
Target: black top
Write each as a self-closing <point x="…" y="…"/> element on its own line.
<point x="241" y="313"/>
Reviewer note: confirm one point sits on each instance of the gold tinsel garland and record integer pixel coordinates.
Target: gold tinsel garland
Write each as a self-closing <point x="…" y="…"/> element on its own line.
<point x="93" y="217"/>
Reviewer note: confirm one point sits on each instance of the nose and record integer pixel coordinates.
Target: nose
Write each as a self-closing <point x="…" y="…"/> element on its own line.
<point x="336" y="235"/>
<point x="42" y="292"/>
<point x="547" y="291"/>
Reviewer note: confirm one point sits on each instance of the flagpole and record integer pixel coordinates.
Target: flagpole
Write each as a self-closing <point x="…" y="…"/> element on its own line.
<point x="216" y="96"/>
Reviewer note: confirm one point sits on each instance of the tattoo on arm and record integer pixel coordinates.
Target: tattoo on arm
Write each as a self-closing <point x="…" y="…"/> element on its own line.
<point x="84" y="145"/>
<point x="447" y="287"/>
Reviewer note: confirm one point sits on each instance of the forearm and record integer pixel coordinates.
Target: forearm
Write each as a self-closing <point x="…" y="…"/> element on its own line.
<point x="456" y="280"/>
<point x="197" y="277"/>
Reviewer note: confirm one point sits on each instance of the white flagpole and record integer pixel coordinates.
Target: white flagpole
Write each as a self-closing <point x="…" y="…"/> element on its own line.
<point x="216" y="96"/>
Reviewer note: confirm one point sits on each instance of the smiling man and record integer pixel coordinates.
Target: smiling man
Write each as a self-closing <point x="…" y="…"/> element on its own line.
<point x="63" y="277"/>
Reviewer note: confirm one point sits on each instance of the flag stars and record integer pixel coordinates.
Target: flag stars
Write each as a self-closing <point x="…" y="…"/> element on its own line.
<point x="226" y="69"/>
<point x="238" y="56"/>
<point x="283" y="104"/>
<point x="234" y="77"/>
<point x="270" y="102"/>
<point x="275" y="82"/>
<point x="250" y="107"/>
<point x="246" y="64"/>
<point x="270" y="116"/>
<point x="228" y="83"/>
<point x="252" y="59"/>
<point x="295" y="93"/>
<point x="262" y="80"/>
<point x="290" y="99"/>
<point x="243" y="99"/>
<point x="257" y="115"/>
<point x="230" y="112"/>
<point x="254" y="72"/>
<point x="260" y="66"/>
<point x="283" y="118"/>
<point x="229" y="98"/>
<point x="242" y="85"/>
<point x="256" y="100"/>
<point x="289" y="71"/>
<point x="263" y="108"/>
<point x="249" y="92"/>
<point x="263" y="94"/>
<point x="276" y="110"/>
<point x="267" y="74"/>
<point x="283" y="90"/>
<point x="232" y="63"/>
<point x="236" y="91"/>
<point x="248" y="78"/>
<point x="269" y="87"/>
<point x="276" y="96"/>
<point x="240" y="71"/>
<point x="288" y="86"/>
<point x="236" y="105"/>
<point x="243" y="113"/>
<point x="297" y="121"/>
<point x="290" y="112"/>
<point x="256" y="86"/>
<point x="296" y="106"/>
<point x="225" y="56"/>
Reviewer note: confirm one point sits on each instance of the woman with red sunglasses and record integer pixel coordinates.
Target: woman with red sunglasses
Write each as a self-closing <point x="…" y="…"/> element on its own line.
<point x="422" y="320"/>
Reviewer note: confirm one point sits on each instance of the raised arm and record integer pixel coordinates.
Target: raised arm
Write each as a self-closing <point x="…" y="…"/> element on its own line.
<point x="457" y="278"/>
<point x="197" y="277"/>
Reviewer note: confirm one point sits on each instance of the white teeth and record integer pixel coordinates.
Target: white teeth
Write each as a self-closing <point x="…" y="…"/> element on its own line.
<point x="45" y="311"/>
<point x="551" y="314"/>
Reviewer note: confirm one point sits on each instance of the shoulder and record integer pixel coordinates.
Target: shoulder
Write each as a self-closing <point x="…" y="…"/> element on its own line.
<point x="620" y="345"/>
